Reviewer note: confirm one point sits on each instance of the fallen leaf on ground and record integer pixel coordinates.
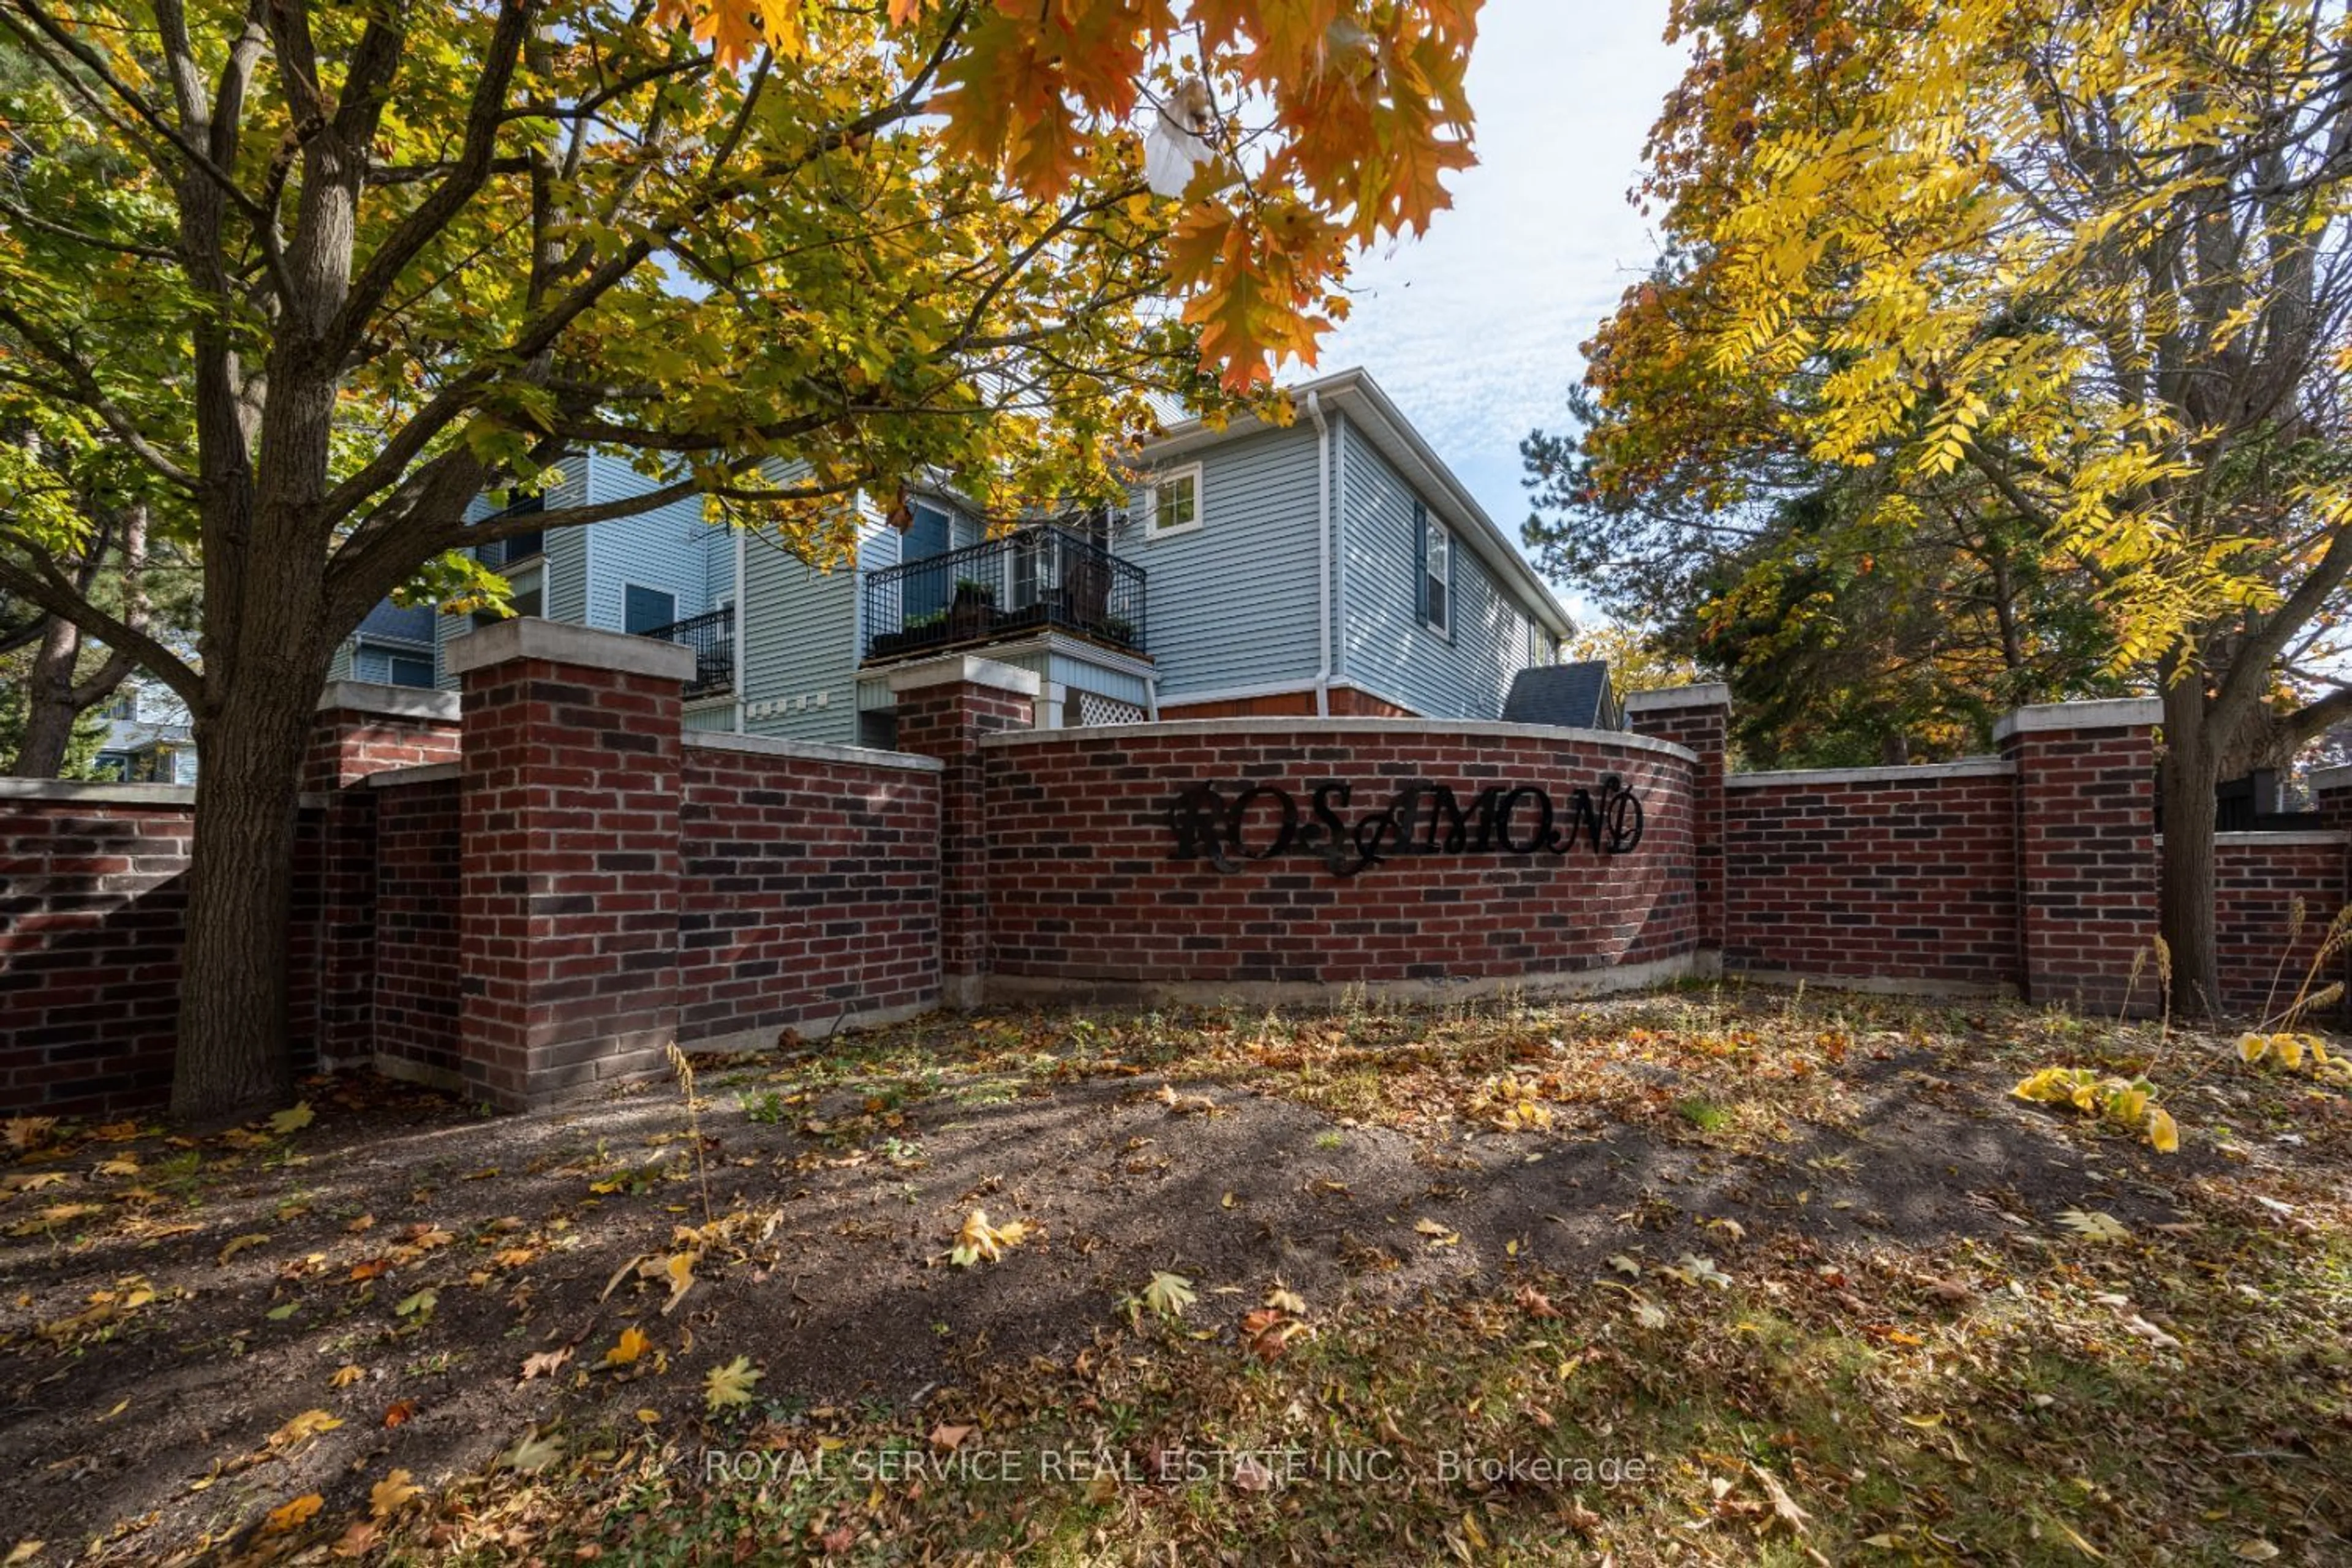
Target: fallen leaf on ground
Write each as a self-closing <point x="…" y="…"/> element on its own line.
<point x="730" y="1385"/>
<point x="391" y="1493"/>
<point x="1168" y="1294"/>
<point x="545" y="1364"/>
<point x="533" y="1453"/>
<point x="290" y="1516"/>
<point x="308" y="1425"/>
<point x="237" y="1244"/>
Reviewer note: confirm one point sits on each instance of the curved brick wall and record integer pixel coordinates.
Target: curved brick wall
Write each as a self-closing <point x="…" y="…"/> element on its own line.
<point x="1085" y="884"/>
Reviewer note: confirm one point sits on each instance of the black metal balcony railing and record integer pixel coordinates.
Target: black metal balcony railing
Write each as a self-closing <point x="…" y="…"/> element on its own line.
<point x="712" y="635"/>
<point x="1039" y="577"/>
<point x="504" y="553"/>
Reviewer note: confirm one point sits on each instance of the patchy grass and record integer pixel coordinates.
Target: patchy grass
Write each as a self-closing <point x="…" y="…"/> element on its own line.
<point x="1701" y="1277"/>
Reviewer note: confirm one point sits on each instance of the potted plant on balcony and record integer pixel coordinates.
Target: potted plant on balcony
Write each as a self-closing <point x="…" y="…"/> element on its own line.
<point x="973" y="613"/>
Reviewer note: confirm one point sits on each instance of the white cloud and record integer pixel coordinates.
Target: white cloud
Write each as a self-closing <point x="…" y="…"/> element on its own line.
<point x="1473" y="329"/>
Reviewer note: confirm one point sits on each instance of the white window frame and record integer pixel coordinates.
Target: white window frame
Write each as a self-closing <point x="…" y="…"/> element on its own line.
<point x="1151" y="529"/>
<point x="1438" y="541"/>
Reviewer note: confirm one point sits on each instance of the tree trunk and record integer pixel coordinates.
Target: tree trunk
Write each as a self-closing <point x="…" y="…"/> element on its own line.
<point x="233" y="1054"/>
<point x="2187" y="775"/>
<point x="49" y="707"/>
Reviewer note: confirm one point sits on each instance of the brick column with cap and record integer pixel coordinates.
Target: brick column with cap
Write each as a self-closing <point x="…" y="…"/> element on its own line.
<point x="360" y="727"/>
<point x="945" y="706"/>
<point x="2086" y="860"/>
<point x="569" y="909"/>
<point x="1697" y="718"/>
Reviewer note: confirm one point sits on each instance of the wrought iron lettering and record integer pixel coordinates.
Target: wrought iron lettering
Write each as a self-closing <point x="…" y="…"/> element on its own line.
<point x="1423" y="819"/>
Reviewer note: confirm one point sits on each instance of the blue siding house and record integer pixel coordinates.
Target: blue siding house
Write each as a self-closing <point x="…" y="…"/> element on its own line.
<point x="1332" y="565"/>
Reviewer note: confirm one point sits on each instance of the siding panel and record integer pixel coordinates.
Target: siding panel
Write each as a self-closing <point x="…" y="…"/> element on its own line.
<point x="1235" y="604"/>
<point x="1386" y="646"/>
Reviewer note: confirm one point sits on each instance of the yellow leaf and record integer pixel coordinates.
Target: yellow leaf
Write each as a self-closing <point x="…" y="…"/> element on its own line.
<point x="2081" y="1545"/>
<point x="346" y="1375"/>
<point x="680" y="1272"/>
<point x="2252" y="1047"/>
<point x="1168" y="1294"/>
<point x="2256" y="1551"/>
<point x="291" y="1515"/>
<point x="2162" y="1134"/>
<point x="391" y="1493"/>
<point x="730" y="1384"/>
<point x="979" y="1239"/>
<point x="633" y="1344"/>
<point x="532" y="1454"/>
<point x="23" y="1552"/>
<point x="240" y="1243"/>
<point x="308" y="1425"/>
<point x="293" y="1121"/>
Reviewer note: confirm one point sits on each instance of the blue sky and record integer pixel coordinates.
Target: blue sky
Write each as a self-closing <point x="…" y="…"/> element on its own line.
<point x="1473" y="329"/>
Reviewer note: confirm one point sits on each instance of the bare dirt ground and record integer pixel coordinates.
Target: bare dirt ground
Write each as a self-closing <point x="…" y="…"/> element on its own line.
<point x="228" y="1346"/>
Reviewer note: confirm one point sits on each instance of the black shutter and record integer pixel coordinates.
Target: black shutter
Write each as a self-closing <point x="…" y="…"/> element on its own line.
<point x="1419" y="562"/>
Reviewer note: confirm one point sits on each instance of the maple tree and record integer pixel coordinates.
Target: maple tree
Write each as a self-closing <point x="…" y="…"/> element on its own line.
<point x="2075" y="267"/>
<point x="329" y="274"/>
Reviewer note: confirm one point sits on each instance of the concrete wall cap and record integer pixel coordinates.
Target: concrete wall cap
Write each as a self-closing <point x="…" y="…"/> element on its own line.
<point x="424" y="772"/>
<point x="2326" y="779"/>
<point x="400" y="701"/>
<point x="1922" y="772"/>
<point x="527" y="637"/>
<point x="812" y="750"/>
<point x="2255" y="840"/>
<point x="1314" y="730"/>
<point x="2108" y="713"/>
<point x="1706" y="694"/>
<point x="965" y="669"/>
<point x="98" y="792"/>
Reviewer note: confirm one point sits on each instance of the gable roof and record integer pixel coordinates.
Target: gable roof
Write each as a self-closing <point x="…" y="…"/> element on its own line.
<point x="1574" y="695"/>
<point x="1355" y="395"/>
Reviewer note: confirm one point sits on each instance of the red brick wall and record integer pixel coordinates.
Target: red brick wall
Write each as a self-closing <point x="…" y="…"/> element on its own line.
<point x="2256" y="879"/>
<point x="570" y="868"/>
<point x="91" y="900"/>
<point x="2086" y="864"/>
<point x="1703" y="729"/>
<point x="416" y="996"/>
<point x="947" y="721"/>
<point x="1898" y="878"/>
<point x="1083" y="886"/>
<point x="346" y="745"/>
<point x="807" y="889"/>
<point x="1344" y="701"/>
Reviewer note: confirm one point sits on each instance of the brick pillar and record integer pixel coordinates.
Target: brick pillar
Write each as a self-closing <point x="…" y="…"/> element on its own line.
<point x="1698" y="719"/>
<point x="568" y="869"/>
<point x="945" y="706"/>
<point x="359" y="729"/>
<point x="2331" y="796"/>
<point x="2086" y="861"/>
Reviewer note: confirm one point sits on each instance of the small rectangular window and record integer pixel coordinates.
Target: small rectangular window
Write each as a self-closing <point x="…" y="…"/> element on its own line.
<point x="646" y="609"/>
<point x="1174" y="505"/>
<point x="1433" y="555"/>
<point x="407" y="671"/>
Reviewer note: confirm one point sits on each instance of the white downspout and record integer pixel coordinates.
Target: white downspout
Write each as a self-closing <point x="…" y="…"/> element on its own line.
<point x="742" y="629"/>
<point x="1322" y="551"/>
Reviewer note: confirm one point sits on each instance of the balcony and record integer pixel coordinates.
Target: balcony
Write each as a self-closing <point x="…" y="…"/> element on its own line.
<point x="712" y="638"/>
<point x="1038" y="579"/>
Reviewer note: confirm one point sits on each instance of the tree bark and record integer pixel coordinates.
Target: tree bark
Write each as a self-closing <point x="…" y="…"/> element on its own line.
<point x="2188" y="772"/>
<point x="233" y="1053"/>
<point x="49" y="707"/>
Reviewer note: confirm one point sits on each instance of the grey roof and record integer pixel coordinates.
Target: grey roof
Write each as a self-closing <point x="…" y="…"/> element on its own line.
<point x="1575" y="695"/>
